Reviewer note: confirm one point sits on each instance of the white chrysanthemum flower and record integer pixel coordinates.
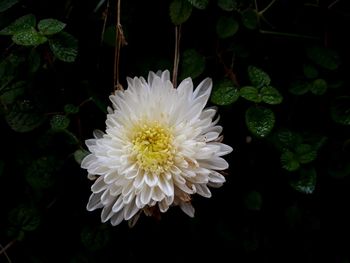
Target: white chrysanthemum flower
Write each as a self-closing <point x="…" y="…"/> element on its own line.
<point x="160" y="147"/>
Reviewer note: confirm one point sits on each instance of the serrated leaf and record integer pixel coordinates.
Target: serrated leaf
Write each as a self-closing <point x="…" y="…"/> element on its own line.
<point x="310" y="71"/>
<point x="305" y="153"/>
<point x="21" y="24"/>
<point x="7" y="4"/>
<point x="318" y="87"/>
<point x="41" y="173"/>
<point x="34" y="61"/>
<point x="79" y="155"/>
<point x="250" y="93"/>
<point x="24" y="117"/>
<point x="200" y="4"/>
<point x="260" y="121"/>
<point x="258" y="77"/>
<point x="59" y="122"/>
<point x="192" y="64"/>
<point x="12" y="92"/>
<point x="253" y="200"/>
<point x="71" y="109"/>
<point x="270" y="95"/>
<point x="95" y="238"/>
<point x="324" y="57"/>
<point x="289" y="161"/>
<point x="299" y="87"/>
<point x="227" y="5"/>
<point x="29" y="37"/>
<point x="306" y="182"/>
<point x="50" y="26"/>
<point x="340" y="110"/>
<point x="250" y="18"/>
<point x="24" y="217"/>
<point x="226" y="27"/>
<point x="288" y="139"/>
<point x="64" y="46"/>
<point x="180" y="11"/>
<point x="225" y="94"/>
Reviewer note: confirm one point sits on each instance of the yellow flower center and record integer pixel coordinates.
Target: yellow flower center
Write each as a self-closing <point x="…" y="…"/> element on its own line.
<point x="153" y="147"/>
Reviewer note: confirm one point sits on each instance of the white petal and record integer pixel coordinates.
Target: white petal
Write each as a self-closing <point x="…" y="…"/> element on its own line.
<point x="203" y="89"/>
<point x="86" y="162"/>
<point x="185" y="89"/>
<point x="106" y="214"/>
<point x="107" y="198"/>
<point x="166" y="186"/>
<point x="117" y="218"/>
<point x="187" y="208"/>
<point x="118" y="205"/>
<point x="130" y="210"/>
<point x="216" y="163"/>
<point x="158" y="194"/>
<point x="99" y="185"/>
<point x="203" y="190"/>
<point x="151" y="179"/>
<point x="98" y="134"/>
<point x="146" y="195"/>
<point x="216" y="177"/>
<point x="94" y="202"/>
<point x="163" y="207"/>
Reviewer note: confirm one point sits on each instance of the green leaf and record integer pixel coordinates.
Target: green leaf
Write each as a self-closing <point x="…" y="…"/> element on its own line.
<point x="253" y="200"/>
<point x="250" y="19"/>
<point x="59" y="122"/>
<point x="50" y="26"/>
<point x="324" y="57"/>
<point x="226" y="27"/>
<point x="64" y="46"/>
<point x="288" y="139"/>
<point x="318" y="87"/>
<point x="24" y="217"/>
<point x="192" y="64"/>
<point x="24" y="117"/>
<point x="250" y="93"/>
<point x="306" y="182"/>
<point x="340" y="110"/>
<point x="260" y="121"/>
<point x="289" y="161"/>
<point x="310" y="71"/>
<point x="13" y="92"/>
<point x="34" y="61"/>
<point x="258" y="77"/>
<point x="71" y="109"/>
<point x="79" y="155"/>
<point x="95" y="238"/>
<point x="180" y="11"/>
<point x="225" y="94"/>
<point x="200" y="4"/>
<point x="305" y="153"/>
<point x="270" y="95"/>
<point x="227" y="5"/>
<point x="7" y="4"/>
<point x="41" y="173"/>
<point x="21" y="24"/>
<point x="29" y="37"/>
<point x="299" y="87"/>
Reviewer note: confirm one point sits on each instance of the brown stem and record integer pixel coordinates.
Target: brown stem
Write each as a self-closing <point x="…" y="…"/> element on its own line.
<point x="177" y="54"/>
<point x="4" y="249"/>
<point x="228" y="70"/>
<point x="120" y="41"/>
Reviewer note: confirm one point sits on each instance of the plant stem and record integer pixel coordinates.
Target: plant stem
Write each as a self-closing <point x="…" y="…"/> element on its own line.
<point x="3" y="249"/>
<point x="267" y="7"/>
<point x="177" y="54"/>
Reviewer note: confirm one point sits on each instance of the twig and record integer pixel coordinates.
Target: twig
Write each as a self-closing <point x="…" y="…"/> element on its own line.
<point x="267" y="7"/>
<point x="177" y="54"/>
<point x="282" y="34"/>
<point x="3" y="249"/>
<point x="333" y="4"/>
<point x="120" y="41"/>
<point x="228" y="71"/>
<point x="105" y="16"/>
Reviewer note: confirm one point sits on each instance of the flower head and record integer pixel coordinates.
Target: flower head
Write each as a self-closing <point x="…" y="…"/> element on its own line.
<point x="160" y="147"/>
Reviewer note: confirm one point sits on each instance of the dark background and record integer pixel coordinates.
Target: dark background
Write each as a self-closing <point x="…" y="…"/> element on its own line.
<point x="255" y="217"/>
